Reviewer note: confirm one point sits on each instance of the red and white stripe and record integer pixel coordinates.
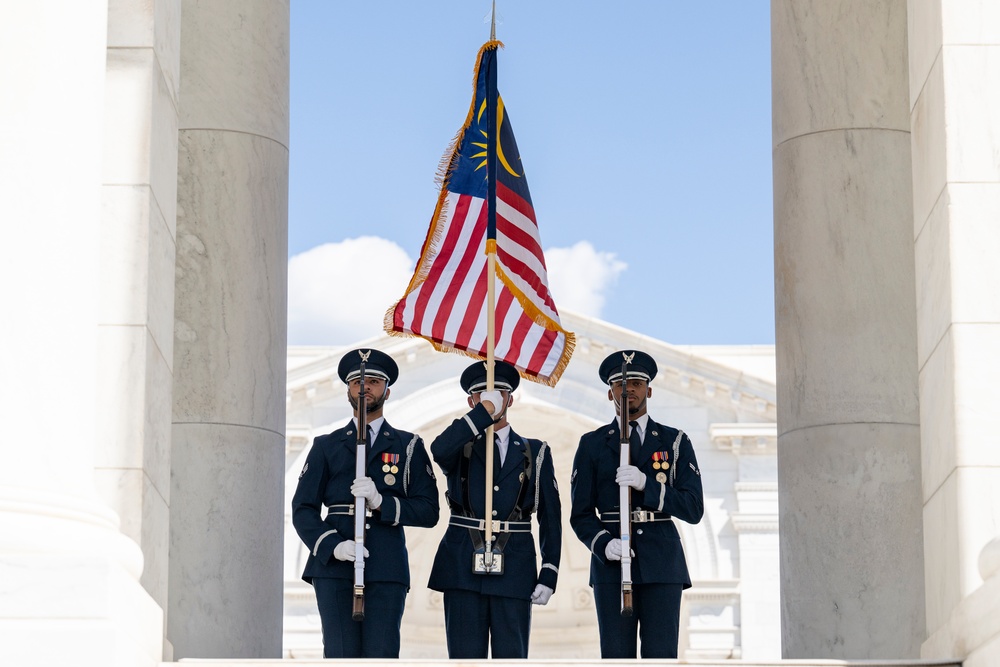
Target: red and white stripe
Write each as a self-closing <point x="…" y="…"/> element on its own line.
<point x="448" y="307"/>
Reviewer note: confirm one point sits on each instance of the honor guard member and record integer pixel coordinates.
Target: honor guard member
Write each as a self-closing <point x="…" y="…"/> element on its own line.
<point x="493" y="609"/>
<point x="399" y="490"/>
<point x="666" y="484"/>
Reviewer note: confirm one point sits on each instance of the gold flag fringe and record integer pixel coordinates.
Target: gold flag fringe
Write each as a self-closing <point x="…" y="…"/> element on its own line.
<point x="550" y="381"/>
<point x="445" y="168"/>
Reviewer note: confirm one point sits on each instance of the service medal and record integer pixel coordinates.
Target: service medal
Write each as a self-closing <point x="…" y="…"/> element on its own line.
<point x="656" y="465"/>
<point x="390" y="461"/>
<point x="661" y="477"/>
<point x="520" y="477"/>
<point x="390" y="479"/>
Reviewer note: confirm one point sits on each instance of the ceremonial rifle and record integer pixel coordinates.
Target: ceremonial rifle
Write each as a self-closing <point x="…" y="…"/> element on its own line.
<point x="624" y="502"/>
<point x="360" y="470"/>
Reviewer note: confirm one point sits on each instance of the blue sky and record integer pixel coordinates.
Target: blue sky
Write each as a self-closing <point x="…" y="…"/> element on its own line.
<point x="644" y="129"/>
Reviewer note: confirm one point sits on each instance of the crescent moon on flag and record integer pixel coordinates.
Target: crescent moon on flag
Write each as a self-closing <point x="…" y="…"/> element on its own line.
<point x="500" y="155"/>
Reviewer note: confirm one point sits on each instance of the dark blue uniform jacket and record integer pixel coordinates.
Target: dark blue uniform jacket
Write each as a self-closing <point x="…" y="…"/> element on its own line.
<point x="411" y="499"/>
<point x="453" y="562"/>
<point x="659" y="557"/>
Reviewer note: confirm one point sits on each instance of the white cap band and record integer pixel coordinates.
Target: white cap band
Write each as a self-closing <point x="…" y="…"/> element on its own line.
<point x="354" y="375"/>
<point x="629" y="374"/>
<point x="481" y="387"/>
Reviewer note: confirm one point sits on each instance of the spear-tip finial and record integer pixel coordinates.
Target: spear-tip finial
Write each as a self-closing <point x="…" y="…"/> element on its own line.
<point x="493" y="23"/>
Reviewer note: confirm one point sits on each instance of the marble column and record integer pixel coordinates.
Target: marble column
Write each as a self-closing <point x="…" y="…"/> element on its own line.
<point x="955" y="116"/>
<point x="848" y="425"/>
<point x="69" y="579"/>
<point x="136" y="308"/>
<point x="227" y="456"/>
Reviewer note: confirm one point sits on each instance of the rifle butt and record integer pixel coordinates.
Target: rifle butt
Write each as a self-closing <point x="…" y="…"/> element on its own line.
<point x="358" y="612"/>
<point x="627" y="601"/>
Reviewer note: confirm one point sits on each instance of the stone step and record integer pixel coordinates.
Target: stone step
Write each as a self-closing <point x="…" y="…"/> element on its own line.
<point x="574" y="663"/>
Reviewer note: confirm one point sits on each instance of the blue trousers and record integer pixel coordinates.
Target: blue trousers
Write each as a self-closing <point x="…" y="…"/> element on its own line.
<point x="375" y="637"/>
<point x="656" y="614"/>
<point x="474" y="621"/>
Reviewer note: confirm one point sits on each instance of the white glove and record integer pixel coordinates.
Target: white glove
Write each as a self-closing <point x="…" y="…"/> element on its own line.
<point x="541" y="594"/>
<point x="630" y="476"/>
<point x="364" y="487"/>
<point x="495" y="398"/>
<point x="345" y="551"/>
<point x="614" y="550"/>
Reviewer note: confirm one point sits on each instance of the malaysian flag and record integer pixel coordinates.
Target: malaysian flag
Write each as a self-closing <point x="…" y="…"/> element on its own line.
<point x="446" y="302"/>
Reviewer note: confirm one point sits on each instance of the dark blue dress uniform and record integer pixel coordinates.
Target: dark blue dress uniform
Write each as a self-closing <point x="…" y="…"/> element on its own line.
<point x="659" y="571"/>
<point x="482" y="609"/>
<point x="409" y="498"/>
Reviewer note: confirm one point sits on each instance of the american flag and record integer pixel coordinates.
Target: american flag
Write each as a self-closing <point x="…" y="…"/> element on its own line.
<point x="445" y="302"/>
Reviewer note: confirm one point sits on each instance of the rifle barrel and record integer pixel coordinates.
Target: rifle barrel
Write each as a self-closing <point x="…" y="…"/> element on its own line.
<point x="360" y="470"/>
<point x="625" y="503"/>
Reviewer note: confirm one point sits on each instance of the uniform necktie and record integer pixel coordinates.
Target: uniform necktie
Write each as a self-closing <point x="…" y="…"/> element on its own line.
<point x="371" y="439"/>
<point x="497" y="460"/>
<point x="635" y="443"/>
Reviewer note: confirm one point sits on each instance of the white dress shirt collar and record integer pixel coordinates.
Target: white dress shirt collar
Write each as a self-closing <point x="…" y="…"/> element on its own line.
<point x="376" y="425"/>
<point x="642" y="422"/>
<point x="502" y="441"/>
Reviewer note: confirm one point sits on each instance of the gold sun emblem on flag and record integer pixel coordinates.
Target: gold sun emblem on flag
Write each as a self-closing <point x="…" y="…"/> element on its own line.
<point x="482" y="154"/>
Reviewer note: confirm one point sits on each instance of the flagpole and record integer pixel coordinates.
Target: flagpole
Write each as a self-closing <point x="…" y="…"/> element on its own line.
<point x="490" y="332"/>
<point x="491" y="175"/>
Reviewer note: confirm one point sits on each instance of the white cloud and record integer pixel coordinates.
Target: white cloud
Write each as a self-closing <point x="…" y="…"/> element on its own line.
<point x="580" y="277"/>
<point x="338" y="292"/>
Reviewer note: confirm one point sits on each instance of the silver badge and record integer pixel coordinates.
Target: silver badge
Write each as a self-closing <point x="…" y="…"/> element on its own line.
<point x="390" y="479"/>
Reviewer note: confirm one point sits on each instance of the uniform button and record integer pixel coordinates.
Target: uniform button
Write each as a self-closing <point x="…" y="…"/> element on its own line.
<point x="639" y="531"/>
<point x="368" y="526"/>
<point x="494" y="512"/>
<point x="496" y="488"/>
